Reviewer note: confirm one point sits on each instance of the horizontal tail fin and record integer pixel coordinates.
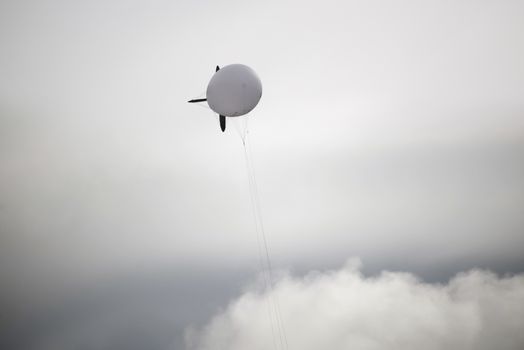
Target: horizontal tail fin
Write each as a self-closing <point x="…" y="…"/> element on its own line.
<point x="197" y="100"/>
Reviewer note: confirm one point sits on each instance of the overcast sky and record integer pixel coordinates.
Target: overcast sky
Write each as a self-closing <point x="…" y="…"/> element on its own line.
<point x="390" y="132"/>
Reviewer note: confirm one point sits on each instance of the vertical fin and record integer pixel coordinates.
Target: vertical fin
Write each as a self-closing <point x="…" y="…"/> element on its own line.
<point x="223" y="123"/>
<point x="217" y="69"/>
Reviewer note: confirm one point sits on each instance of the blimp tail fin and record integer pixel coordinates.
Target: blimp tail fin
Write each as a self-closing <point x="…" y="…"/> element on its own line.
<point x="197" y="100"/>
<point x="221" y="117"/>
<point x="222" y="123"/>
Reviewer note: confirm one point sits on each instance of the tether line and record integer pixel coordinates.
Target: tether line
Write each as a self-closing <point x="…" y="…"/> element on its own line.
<point x="275" y="313"/>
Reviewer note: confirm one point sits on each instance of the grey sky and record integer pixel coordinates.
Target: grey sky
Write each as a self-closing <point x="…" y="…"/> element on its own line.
<point x="389" y="131"/>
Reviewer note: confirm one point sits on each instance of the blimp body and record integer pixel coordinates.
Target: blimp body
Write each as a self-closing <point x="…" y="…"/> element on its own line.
<point x="234" y="90"/>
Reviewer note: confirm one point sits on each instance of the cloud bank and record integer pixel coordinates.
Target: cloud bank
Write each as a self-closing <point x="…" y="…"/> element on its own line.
<point x="343" y="309"/>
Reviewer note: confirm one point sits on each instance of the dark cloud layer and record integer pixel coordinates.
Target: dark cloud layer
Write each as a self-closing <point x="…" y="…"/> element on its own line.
<point x="338" y="308"/>
<point x="149" y="310"/>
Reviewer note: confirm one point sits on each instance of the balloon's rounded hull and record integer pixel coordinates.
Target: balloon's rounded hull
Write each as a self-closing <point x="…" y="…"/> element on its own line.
<point x="234" y="90"/>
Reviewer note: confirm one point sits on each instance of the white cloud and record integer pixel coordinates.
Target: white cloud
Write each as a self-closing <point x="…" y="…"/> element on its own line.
<point x="343" y="309"/>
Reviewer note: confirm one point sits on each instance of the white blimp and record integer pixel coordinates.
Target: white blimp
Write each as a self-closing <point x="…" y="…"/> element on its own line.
<point x="233" y="91"/>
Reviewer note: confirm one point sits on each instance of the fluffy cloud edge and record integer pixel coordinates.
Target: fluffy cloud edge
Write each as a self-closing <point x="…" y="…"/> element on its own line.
<point x="343" y="309"/>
